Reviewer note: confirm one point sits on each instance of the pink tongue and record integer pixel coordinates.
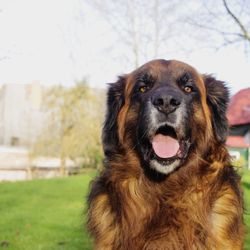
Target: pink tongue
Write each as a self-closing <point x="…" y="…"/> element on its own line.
<point x="165" y="146"/>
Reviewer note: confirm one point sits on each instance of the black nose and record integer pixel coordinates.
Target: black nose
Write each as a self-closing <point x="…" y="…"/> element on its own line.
<point x="166" y="100"/>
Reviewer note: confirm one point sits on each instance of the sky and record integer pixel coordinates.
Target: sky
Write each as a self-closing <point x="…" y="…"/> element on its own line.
<point x="61" y="41"/>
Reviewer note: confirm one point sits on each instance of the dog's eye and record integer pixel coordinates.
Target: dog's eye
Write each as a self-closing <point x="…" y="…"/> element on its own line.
<point x="143" y="89"/>
<point x="144" y="83"/>
<point x="186" y="83"/>
<point x="188" y="89"/>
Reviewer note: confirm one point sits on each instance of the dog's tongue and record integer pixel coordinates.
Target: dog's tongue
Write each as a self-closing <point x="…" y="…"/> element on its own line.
<point x="165" y="146"/>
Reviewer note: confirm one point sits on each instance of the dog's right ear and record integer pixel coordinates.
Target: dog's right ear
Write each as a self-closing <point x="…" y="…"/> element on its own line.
<point x="115" y="100"/>
<point x="218" y="99"/>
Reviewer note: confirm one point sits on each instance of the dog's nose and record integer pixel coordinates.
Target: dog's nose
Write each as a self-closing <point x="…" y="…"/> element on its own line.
<point x="166" y="101"/>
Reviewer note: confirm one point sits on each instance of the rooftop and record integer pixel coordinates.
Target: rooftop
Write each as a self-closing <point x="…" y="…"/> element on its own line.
<point x="239" y="108"/>
<point x="236" y="141"/>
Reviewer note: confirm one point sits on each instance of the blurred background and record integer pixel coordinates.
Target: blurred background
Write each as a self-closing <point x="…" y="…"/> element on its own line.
<point x="56" y="58"/>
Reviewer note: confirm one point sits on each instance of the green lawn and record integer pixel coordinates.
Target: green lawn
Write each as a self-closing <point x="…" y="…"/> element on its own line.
<point x="246" y="188"/>
<point x="44" y="214"/>
<point x="49" y="214"/>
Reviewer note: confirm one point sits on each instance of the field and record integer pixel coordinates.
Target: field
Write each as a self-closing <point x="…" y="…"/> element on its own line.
<point x="49" y="214"/>
<point x="246" y="188"/>
<point x="44" y="214"/>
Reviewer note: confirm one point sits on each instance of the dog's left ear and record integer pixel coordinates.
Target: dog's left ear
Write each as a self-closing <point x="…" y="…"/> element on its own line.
<point x="217" y="99"/>
<point x="115" y="100"/>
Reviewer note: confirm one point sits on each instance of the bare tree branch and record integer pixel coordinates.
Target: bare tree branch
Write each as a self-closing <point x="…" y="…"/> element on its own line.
<point x="208" y="27"/>
<point x="245" y="34"/>
<point x="223" y="24"/>
<point x="144" y="27"/>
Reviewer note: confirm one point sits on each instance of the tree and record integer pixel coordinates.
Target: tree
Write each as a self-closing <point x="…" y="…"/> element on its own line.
<point x="228" y="22"/>
<point x="243" y="30"/>
<point x="144" y="28"/>
<point x="73" y="124"/>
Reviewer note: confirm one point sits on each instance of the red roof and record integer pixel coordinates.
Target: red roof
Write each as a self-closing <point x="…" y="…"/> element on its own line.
<point x="236" y="141"/>
<point x="239" y="108"/>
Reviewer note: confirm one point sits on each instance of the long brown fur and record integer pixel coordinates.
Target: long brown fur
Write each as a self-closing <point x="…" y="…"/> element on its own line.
<point x="198" y="206"/>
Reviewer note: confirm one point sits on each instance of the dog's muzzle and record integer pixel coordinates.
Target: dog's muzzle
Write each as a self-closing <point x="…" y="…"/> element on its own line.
<point x="167" y="141"/>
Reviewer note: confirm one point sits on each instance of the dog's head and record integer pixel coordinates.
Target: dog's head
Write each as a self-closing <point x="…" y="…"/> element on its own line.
<point x="165" y="111"/>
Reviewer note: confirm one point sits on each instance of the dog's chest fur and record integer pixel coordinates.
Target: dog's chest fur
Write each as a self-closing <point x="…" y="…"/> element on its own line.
<point x="188" y="210"/>
<point x="173" y="215"/>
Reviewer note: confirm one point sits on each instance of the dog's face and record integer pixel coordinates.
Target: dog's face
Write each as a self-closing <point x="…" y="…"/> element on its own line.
<point x="165" y="112"/>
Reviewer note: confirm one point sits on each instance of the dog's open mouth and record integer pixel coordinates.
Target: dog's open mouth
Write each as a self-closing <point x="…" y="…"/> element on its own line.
<point x="167" y="146"/>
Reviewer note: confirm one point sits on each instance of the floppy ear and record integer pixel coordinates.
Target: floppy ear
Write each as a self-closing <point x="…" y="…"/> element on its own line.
<point x="217" y="99"/>
<point x="115" y="100"/>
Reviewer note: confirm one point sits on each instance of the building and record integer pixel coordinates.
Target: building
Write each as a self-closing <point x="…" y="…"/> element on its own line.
<point x="20" y="113"/>
<point x="16" y="164"/>
<point x="239" y="120"/>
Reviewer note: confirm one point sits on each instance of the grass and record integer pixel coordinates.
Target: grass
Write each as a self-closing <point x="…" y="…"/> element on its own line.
<point x="44" y="214"/>
<point x="49" y="214"/>
<point x="246" y="188"/>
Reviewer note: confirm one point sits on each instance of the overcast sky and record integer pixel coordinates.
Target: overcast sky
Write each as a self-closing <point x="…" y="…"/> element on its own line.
<point x="60" y="41"/>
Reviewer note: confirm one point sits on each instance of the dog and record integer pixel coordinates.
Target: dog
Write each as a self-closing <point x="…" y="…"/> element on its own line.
<point x="167" y="181"/>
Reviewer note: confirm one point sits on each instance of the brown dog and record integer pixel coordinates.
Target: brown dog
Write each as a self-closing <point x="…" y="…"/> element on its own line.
<point x="167" y="182"/>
